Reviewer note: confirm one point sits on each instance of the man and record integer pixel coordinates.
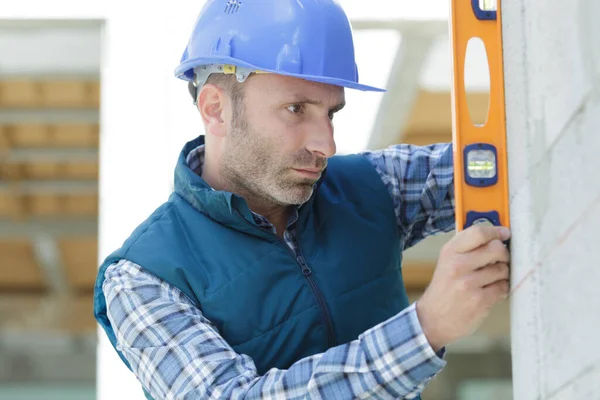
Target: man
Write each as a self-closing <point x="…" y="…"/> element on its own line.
<point x="274" y="270"/>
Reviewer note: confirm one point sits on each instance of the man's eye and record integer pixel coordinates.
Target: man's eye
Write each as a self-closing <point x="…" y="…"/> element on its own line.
<point x="295" y="109"/>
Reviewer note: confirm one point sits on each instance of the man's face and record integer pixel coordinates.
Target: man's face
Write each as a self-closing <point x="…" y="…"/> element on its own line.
<point x="278" y="145"/>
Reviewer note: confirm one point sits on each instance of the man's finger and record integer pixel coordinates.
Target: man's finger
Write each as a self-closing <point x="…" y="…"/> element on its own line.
<point x="490" y="253"/>
<point x="476" y="236"/>
<point x="496" y="292"/>
<point x="491" y="274"/>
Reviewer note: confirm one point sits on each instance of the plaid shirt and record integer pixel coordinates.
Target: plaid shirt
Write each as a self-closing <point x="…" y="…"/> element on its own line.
<point x="176" y="353"/>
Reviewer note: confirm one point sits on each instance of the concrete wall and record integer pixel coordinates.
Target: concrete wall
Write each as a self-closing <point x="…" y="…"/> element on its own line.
<point x="552" y="72"/>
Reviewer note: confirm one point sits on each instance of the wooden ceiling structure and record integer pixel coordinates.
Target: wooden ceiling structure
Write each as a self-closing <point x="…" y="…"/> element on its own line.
<point x="48" y="203"/>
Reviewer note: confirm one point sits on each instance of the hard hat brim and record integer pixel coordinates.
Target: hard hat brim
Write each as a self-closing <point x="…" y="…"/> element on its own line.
<point x="185" y="71"/>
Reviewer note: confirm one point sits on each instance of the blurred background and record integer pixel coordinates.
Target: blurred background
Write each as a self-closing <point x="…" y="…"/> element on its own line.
<point x="88" y="101"/>
<point x="49" y="135"/>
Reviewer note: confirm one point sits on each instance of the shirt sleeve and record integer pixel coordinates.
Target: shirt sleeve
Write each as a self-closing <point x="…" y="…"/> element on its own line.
<point x="176" y="353"/>
<point x="420" y="180"/>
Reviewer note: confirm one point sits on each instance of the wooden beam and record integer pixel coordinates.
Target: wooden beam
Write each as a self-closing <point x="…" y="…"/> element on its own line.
<point x="80" y="258"/>
<point x="19" y="93"/>
<point x="54" y="135"/>
<point x="75" y="135"/>
<point x="18" y="204"/>
<point x="417" y="275"/>
<point x="53" y="93"/>
<point x="68" y="93"/>
<point x="425" y="138"/>
<point x="47" y="313"/>
<point x="19" y="267"/>
<point x="4" y="140"/>
<point x="432" y="112"/>
<point x="43" y="170"/>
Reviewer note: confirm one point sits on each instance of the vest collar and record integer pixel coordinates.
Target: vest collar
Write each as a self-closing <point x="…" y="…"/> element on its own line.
<point x="224" y="207"/>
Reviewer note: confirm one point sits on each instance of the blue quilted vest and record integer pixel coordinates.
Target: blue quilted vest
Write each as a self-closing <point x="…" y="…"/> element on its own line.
<point x="264" y="302"/>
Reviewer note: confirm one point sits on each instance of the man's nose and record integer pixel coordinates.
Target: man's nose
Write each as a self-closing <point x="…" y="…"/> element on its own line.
<point x="321" y="141"/>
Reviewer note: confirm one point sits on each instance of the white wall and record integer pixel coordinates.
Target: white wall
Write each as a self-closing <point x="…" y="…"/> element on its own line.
<point x="49" y="51"/>
<point x="552" y="68"/>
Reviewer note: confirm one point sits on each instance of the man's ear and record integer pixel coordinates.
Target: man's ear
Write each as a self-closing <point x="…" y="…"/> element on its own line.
<point x="211" y="104"/>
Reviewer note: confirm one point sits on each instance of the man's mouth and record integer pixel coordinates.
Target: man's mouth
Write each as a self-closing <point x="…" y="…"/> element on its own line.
<point x="313" y="173"/>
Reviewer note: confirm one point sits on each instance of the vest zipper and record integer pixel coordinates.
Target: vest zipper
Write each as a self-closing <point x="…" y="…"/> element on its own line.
<point x="307" y="273"/>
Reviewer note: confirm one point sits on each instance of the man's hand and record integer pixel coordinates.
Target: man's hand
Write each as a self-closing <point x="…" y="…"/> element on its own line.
<point x="471" y="276"/>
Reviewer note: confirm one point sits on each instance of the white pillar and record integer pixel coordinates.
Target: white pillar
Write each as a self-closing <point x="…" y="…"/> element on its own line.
<point x="147" y="115"/>
<point x="552" y="72"/>
<point x="133" y="177"/>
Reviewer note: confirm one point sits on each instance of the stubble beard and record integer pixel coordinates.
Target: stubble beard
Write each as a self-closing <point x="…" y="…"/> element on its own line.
<point x="254" y="170"/>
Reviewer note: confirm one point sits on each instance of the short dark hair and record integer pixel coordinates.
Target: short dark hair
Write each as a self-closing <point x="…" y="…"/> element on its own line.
<point x="230" y="85"/>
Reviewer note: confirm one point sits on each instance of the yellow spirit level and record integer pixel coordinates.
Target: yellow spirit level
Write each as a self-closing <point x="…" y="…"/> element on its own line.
<point x="480" y="159"/>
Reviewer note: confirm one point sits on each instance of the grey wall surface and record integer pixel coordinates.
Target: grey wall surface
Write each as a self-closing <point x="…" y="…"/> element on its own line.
<point x="552" y="74"/>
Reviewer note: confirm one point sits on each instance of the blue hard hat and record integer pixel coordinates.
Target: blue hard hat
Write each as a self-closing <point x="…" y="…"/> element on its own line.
<point x="308" y="39"/>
